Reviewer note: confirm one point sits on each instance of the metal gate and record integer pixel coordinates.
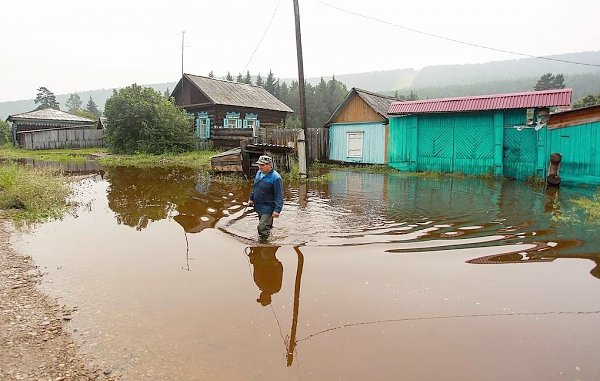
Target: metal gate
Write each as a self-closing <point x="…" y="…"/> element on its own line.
<point x="520" y="152"/>
<point x="435" y="145"/>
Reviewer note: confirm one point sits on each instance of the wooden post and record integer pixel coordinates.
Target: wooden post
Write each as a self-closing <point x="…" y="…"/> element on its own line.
<point x="301" y="160"/>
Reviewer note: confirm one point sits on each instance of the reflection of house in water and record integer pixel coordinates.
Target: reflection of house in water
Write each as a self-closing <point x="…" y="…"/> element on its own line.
<point x="211" y="200"/>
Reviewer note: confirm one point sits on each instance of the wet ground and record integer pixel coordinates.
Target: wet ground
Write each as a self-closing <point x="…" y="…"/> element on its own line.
<point x="368" y="276"/>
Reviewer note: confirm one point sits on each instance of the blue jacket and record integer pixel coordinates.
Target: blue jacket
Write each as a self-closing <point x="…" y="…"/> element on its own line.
<point x="267" y="193"/>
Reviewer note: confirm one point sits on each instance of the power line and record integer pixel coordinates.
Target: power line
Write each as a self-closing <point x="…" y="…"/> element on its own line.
<point x="452" y="39"/>
<point x="263" y="36"/>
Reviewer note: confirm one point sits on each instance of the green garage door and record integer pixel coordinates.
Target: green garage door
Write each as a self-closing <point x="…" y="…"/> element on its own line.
<point x="435" y="144"/>
<point x="520" y="152"/>
<point x="456" y="143"/>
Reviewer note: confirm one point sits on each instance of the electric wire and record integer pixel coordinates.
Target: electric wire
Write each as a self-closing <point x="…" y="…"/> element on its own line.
<point x="262" y="37"/>
<point x="453" y="39"/>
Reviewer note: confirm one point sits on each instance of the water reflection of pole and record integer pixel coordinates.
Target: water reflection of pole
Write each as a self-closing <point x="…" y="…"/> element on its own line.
<point x="292" y="342"/>
<point x="187" y="251"/>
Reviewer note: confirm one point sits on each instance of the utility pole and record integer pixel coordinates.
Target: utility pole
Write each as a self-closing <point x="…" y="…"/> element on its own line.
<point x="302" y="152"/>
<point x="182" y="46"/>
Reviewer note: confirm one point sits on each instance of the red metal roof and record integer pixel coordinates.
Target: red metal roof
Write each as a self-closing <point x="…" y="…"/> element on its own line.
<point x="547" y="98"/>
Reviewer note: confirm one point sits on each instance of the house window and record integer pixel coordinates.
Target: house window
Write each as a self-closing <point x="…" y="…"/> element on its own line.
<point x="251" y="121"/>
<point x="232" y="120"/>
<point x="202" y="125"/>
<point x="355" y="144"/>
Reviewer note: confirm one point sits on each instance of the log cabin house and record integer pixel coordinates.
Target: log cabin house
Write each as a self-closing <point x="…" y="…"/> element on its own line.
<point x="227" y="113"/>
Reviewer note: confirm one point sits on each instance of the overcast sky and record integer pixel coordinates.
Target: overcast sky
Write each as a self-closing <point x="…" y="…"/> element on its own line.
<point x="69" y="46"/>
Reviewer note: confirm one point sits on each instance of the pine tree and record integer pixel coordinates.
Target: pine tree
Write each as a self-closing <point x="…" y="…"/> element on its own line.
<point x="93" y="108"/>
<point x="229" y="77"/>
<point x="211" y="74"/>
<point x="259" y="80"/>
<point x="270" y="83"/>
<point x="167" y="94"/>
<point x="248" y="78"/>
<point x="239" y="78"/>
<point x="46" y="99"/>
<point x="550" y="81"/>
<point x="73" y="103"/>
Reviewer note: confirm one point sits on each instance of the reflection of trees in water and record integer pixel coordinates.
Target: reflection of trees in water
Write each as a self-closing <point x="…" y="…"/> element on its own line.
<point x="140" y="195"/>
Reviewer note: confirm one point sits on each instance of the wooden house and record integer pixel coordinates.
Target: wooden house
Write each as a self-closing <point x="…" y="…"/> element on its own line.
<point x="358" y="128"/>
<point x="501" y="134"/>
<point x="227" y="113"/>
<point x="575" y="134"/>
<point x="49" y="128"/>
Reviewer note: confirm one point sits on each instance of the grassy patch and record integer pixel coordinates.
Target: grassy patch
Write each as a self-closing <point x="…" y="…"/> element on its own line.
<point x="194" y="159"/>
<point x="9" y="152"/>
<point x="32" y="194"/>
<point x="589" y="206"/>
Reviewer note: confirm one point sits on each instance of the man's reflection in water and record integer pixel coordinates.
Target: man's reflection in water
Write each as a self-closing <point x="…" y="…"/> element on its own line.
<point x="267" y="272"/>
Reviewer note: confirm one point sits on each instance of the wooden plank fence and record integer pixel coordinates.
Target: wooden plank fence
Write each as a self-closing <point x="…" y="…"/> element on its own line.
<point x="317" y="140"/>
<point x="50" y="139"/>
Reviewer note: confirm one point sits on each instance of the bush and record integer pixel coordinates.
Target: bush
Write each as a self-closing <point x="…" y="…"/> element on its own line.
<point x="5" y="132"/>
<point x="141" y="120"/>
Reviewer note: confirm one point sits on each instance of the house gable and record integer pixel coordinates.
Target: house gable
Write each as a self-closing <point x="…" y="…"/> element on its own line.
<point x="356" y="110"/>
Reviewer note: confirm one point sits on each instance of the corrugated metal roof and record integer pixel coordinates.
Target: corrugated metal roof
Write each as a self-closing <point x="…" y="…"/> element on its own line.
<point x="50" y="114"/>
<point x="237" y="94"/>
<point x="548" y="98"/>
<point x="379" y="103"/>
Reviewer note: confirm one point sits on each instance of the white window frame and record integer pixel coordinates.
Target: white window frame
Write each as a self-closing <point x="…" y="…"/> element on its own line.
<point x="232" y="123"/>
<point x="354" y="144"/>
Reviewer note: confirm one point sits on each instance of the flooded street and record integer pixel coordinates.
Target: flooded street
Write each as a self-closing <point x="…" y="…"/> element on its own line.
<point x="367" y="276"/>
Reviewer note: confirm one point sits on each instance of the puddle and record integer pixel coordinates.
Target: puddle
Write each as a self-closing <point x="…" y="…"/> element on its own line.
<point x="370" y="276"/>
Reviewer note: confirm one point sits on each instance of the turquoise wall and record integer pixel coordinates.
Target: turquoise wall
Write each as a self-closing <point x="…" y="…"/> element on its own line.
<point x="470" y="143"/>
<point x="580" y="149"/>
<point x="374" y="142"/>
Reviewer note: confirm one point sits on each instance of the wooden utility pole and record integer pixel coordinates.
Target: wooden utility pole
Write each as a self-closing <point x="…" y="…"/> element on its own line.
<point x="182" y="46"/>
<point x="302" y="152"/>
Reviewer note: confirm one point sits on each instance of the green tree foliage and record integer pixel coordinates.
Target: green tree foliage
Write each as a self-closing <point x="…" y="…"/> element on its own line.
<point x="93" y="108"/>
<point x="321" y="101"/>
<point x="86" y="114"/>
<point x="587" y="101"/>
<point x="141" y="120"/>
<point x="167" y="93"/>
<point x="550" y="81"/>
<point x="248" y="78"/>
<point x="73" y="103"/>
<point x="270" y="83"/>
<point x="211" y="74"/>
<point x="259" y="81"/>
<point x="240" y="78"/>
<point x="46" y="99"/>
<point x="229" y="77"/>
<point x="5" y="132"/>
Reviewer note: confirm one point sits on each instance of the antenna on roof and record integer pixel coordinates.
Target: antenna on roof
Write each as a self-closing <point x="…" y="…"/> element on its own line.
<point x="182" y="48"/>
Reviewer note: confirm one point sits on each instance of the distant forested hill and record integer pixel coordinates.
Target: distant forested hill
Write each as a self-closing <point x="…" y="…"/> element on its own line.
<point x="429" y="82"/>
<point x="99" y="96"/>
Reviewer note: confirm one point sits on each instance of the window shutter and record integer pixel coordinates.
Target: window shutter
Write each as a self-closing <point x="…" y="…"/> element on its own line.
<point x="225" y="123"/>
<point x="239" y="123"/>
<point x="198" y="126"/>
<point x="207" y="128"/>
<point x="257" y="123"/>
<point x="245" y="123"/>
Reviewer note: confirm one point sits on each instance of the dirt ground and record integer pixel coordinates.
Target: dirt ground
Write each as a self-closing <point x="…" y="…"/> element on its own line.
<point x="34" y="342"/>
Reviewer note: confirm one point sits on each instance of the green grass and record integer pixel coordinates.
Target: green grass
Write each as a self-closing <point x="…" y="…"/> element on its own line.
<point x="10" y="152"/>
<point x="589" y="206"/>
<point x="32" y="194"/>
<point x="194" y="159"/>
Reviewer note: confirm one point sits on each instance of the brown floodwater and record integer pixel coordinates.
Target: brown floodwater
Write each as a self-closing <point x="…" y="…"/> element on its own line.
<point x="368" y="276"/>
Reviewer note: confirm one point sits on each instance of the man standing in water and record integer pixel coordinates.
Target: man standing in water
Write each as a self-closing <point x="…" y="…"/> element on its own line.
<point x="266" y="196"/>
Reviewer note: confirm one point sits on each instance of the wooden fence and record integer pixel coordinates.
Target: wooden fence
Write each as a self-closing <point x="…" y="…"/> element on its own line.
<point x="317" y="141"/>
<point x="49" y="139"/>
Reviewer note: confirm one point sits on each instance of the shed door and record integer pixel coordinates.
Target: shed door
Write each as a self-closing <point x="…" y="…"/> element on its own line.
<point x="520" y="152"/>
<point x="435" y="144"/>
